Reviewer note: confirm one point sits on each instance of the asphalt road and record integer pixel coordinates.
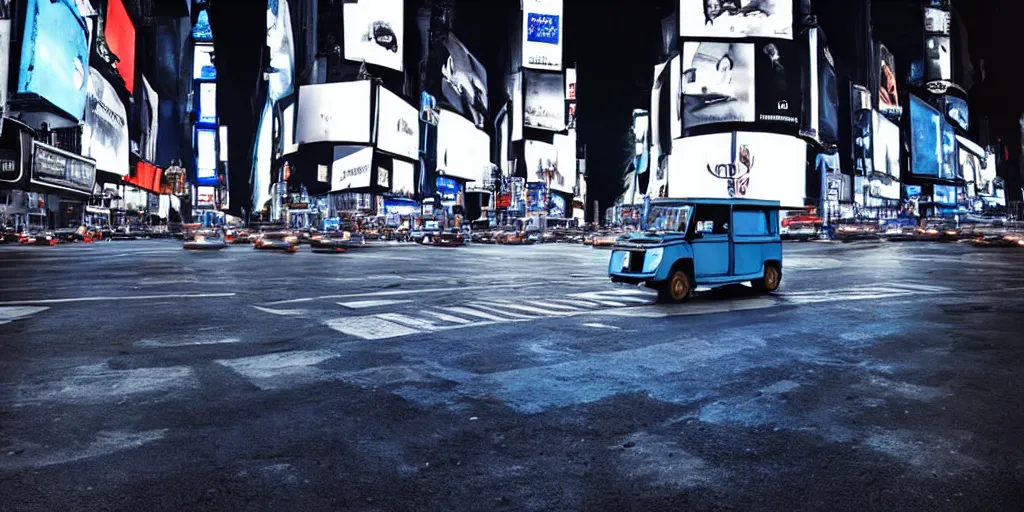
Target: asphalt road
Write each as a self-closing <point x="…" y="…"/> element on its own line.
<point x="137" y="376"/>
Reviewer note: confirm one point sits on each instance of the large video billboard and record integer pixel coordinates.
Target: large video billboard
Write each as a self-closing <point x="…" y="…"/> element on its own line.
<point x="54" y="60"/>
<point x="736" y="18"/>
<point x="334" y="112"/>
<point x="464" y="83"/>
<point x="463" y="150"/>
<point x="351" y="168"/>
<point x="120" y="34"/>
<point x="717" y="83"/>
<point x="542" y="34"/>
<point x="398" y="127"/>
<point x="280" y="40"/>
<point x="375" y="32"/>
<point x="105" y="133"/>
<point x="740" y="165"/>
<point x="544" y="104"/>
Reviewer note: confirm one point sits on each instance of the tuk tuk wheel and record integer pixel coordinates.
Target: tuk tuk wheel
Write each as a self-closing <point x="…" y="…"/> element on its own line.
<point x="677" y="288"/>
<point x="771" y="280"/>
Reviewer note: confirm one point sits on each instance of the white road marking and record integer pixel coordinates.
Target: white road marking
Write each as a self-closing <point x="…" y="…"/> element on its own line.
<point x="446" y="317"/>
<point x="478" y="314"/>
<point x="529" y="309"/>
<point x="185" y="342"/>
<point x="271" y="371"/>
<point x="281" y="312"/>
<point x="408" y="321"/>
<point x="921" y="287"/>
<point x="363" y="304"/>
<point x="107" y="299"/>
<point x="501" y="311"/>
<point x="7" y="315"/>
<point x="551" y="305"/>
<point x="106" y="443"/>
<point x="406" y="292"/>
<point x="98" y="383"/>
<point x="602" y="326"/>
<point x="836" y="298"/>
<point x="369" y="327"/>
<point x="577" y="303"/>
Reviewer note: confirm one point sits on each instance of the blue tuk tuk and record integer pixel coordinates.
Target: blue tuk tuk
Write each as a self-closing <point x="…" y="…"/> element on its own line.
<point x="702" y="242"/>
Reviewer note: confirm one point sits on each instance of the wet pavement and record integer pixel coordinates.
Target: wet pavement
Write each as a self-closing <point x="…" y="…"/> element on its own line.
<point x="136" y="376"/>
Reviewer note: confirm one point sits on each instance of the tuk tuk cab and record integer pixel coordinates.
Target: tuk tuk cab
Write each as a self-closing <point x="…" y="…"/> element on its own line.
<point x="702" y="242"/>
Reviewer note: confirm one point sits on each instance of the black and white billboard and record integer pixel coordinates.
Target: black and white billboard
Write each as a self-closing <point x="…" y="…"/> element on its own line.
<point x="463" y="150"/>
<point x="886" y="143"/>
<point x="105" y="133"/>
<point x="403" y="179"/>
<point x="61" y="169"/>
<point x="398" y="127"/>
<point x="282" y="50"/>
<point x="778" y="82"/>
<point x="717" y="83"/>
<point x="542" y="34"/>
<point x="351" y="168"/>
<point x="149" y="120"/>
<point x="516" y="93"/>
<point x="375" y="32"/>
<point x="543" y="166"/>
<point x="938" y="61"/>
<point x="464" y="83"/>
<point x="334" y="112"/>
<point x="823" y="104"/>
<point x="736" y="18"/>
<point x="544" y="106"/>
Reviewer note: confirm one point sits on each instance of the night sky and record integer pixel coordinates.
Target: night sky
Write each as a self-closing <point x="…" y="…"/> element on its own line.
<point x="614" y="45"/>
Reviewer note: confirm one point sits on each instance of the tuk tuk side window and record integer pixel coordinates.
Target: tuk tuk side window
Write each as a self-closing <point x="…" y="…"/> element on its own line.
<point x="750" y="222"/>
<point x="711" y="219"/>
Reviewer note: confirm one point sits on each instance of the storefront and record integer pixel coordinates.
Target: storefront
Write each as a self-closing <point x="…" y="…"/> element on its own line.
<point x="61" y="183"/>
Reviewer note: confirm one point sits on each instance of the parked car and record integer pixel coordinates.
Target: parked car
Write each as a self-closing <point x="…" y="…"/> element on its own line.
<point x="605" y="239"/>
<point x="801" y="224"/>
<point x="702" y="242"/>
<point x="281" y="241"/>
<point x="450" y="238"/>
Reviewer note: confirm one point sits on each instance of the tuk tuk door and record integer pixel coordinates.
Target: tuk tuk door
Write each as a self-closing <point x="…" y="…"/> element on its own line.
<point x="712" y="258"/>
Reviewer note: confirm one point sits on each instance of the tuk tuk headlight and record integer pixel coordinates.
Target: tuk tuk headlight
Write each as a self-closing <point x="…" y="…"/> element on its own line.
<point x="653" y="259"/>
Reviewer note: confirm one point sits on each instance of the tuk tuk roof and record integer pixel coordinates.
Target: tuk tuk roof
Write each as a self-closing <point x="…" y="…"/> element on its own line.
<point x="775" y="205"/>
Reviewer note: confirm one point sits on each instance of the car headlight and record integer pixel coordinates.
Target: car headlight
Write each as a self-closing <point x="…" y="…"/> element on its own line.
<point x="653" y="259"/>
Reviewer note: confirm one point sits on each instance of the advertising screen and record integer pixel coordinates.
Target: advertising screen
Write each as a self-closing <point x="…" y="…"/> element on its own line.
<point x="403" y="182"/>
<point x="944" y="195"/>
<point x="542" y="166"/>
<point x="740" y="165"/>
<point x="717" y="83"/>
<point x="778" y="81"/>
<point x="205" y="197"/>
<point x="570" y="84"/>
<point x="556" y="207"/>
<point x="202" y="63"/>
<point x="828" y="93"/>
<point x="956" y="111"/>
<point x="202" y="30"/>
<point x="987" y="176"/>
<point x="516" y="91"/>
<point x="659" y="84"/>
<point x="334" y="112"/>
<point x="886" y="142"/>
<point x="464" y="83"/>
<point x="55" y="55"/>
<point x="888" y="95"/>
<point x="938" y="63"/>
<point x="206" y="157"/>
<point x="463" y="150"/>
<point x="927" y="132"/>
<point x="282" y="49"/>
<point x="675" y="102"/>
<point x="120" y="33"/>
<point x="948" y="147"/>
<point x="375" y="32"/>
<point x="970" y="166"/>
<point x="263" y="158"/>
<point x="736" y="18"/>
<point x="150" y="118"/>
<point x="936" y="21"/>
<point x="398" y="129"/>
<point x="641" y="141"/>
<point x="351" y="167"/>
<point x="400" y="207"/>
<point x="208" y="103"/>
<point x="912" y="191"/>
<point x="542" y="34"/>
<point x="885" y="188"/>
<point x="544" y="106"/>
<point x="105" y="133"/>
<point x="565" y="180"/>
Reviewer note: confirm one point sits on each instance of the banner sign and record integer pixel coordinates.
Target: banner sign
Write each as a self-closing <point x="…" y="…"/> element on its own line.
<point x="61" y="169"/>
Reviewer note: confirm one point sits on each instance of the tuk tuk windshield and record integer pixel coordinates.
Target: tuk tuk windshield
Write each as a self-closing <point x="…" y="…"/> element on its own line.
<point x="669" y="218"/>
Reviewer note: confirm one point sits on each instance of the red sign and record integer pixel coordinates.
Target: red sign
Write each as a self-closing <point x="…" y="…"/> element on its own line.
<point x="120" y="34"/>
<point x="147" y="177"/>
<point x="503" y="201"/>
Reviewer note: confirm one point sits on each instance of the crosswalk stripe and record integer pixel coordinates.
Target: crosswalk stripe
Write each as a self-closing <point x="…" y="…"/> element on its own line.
<point x="500" y="311"/>
<point x="579" y="303"/>
<point x="478" y="314"/>
<point x="369" y="327"/>
<point x="530" y="309"/>
<point x="363" y="304"/>
<point x="409" y="321"/>
<point x="622" y="292"/>
<point x="446" y="317"/>
<point x="551" y="305"/>
<point x="922" y="287"/>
